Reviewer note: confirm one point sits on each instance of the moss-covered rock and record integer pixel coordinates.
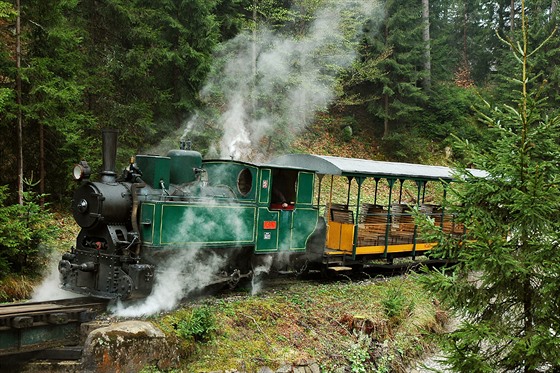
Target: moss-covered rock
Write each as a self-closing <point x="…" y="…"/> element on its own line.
<point x="128" y="347"/>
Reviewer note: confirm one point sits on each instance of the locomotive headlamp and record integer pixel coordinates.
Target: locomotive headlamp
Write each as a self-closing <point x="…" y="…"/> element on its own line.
<point x="81" y="171"/>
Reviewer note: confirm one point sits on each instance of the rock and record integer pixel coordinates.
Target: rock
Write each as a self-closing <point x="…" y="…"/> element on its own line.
<point x="314" y="368"/>
<point x="284" y="369"/>
<point x="265" y="370"/>
<point x="128" y="346"/>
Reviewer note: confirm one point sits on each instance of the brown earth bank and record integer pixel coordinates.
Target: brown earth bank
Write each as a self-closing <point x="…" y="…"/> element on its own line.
<point x="375" y="325"/>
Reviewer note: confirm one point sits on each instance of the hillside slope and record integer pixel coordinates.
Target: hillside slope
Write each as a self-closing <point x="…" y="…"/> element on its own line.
<point x="375" y="325"/>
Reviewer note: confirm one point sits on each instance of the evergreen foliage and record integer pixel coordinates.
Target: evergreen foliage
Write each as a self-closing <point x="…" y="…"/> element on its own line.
<point x="399" y="83"/>
<point x="140" y="65"/>
<point x="53" y="91"/>
<point x="505" y="285"/>
<point x="24" y="229"/>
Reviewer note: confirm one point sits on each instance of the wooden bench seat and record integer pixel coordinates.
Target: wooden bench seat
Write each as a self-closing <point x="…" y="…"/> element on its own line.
<point x="342" y="215"/>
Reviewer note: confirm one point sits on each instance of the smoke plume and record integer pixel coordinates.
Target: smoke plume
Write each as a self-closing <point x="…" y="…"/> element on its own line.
<point x="267" y="86"/>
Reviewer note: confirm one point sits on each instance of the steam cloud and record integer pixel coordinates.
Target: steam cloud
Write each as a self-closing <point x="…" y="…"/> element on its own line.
<point x="49" y="289"/>
<point x="187" y="269"/>
<point x="181" y="274"/>
<point x="269" y="86"/>
<point x="264" y="268"/>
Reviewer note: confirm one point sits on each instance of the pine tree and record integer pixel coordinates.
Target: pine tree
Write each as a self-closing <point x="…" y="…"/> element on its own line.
<point x="55" y="114"/>
<point x="505" y="287"/>
<point x="547" y="17"/>
<point x="8" y="107"/>
<point x="402" y="72"/>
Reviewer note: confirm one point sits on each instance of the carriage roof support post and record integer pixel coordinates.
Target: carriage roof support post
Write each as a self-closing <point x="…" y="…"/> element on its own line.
<point x="376" y="186"/>
<point x="391" y="183"/>
<point x="359" y="181"/>
<point x="330" y="195"/>
<point x="443" y="203"/>
<point x="421" y="185"/>
<point x="320" y="176"/>
<point x="349" y="188"/>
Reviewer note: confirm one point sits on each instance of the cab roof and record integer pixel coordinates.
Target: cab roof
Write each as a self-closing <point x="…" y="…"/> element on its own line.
<point x="329" y="165"/>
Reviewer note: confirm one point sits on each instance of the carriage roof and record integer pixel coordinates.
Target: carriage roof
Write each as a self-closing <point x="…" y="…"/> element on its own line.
<point x="329" y="165"/>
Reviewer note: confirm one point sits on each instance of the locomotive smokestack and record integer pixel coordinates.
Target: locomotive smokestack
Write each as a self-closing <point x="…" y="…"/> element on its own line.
<point x="108" y="174"/>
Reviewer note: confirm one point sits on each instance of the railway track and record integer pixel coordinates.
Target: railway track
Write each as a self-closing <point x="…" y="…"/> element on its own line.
<point x="33" y="326"/>
<point x="369" y="272"/>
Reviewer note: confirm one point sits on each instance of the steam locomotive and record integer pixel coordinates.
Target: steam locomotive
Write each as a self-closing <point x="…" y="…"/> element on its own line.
<point x="284" y="212"/>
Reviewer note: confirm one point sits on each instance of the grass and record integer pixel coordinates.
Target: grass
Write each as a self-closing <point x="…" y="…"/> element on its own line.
<point x="16" y="287"/>
<point x="371" y="326"/>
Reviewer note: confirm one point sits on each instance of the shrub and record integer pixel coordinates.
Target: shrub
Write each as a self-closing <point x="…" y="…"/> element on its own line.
<point x="404" y="147"/>
<point x="198" y="326"/>
<point x="24" y="230"/>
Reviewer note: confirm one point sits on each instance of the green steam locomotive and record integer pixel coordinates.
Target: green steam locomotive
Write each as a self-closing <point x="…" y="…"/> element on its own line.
<point x="283" y="213"/>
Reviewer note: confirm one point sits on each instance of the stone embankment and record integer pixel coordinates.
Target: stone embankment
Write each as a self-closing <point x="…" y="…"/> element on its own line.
<point x="132" y="345"/>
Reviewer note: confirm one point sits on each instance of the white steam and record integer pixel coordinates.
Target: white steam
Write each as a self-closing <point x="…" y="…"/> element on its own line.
<point x="269" y="86"/>
<point x="181" y="274"/>
<point x="264" y="268"/>
<point x="188" y="269"/>
<point x="49" y="289"/>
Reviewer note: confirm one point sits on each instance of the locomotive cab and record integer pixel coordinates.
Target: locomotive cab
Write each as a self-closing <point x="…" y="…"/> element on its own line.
<point x="283" y="191"/>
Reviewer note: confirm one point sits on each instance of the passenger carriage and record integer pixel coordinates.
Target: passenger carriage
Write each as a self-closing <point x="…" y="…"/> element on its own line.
<point x="366" y="226"/>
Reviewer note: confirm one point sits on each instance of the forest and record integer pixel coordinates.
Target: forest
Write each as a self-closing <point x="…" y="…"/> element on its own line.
<point x="406" y="72"/>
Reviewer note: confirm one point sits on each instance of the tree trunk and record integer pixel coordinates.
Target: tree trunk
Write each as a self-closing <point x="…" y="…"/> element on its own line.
<point x="386" y="116"/>
<point x="19" y="125"/>
<point x="528" y="321"/>
<point x="553" y="6"/>
<point x="386" y="97"/>
<point x="426" y="39"/>
<point x="465" y="33"/>
<point x="42" y="172"/>
<point x="501" y="19"/>
<point x="254" y="59"/>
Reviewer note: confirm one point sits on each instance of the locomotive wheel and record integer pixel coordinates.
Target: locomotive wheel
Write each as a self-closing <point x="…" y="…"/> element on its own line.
<point x="124" y="286"/>
<point x="234" y="279"/>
